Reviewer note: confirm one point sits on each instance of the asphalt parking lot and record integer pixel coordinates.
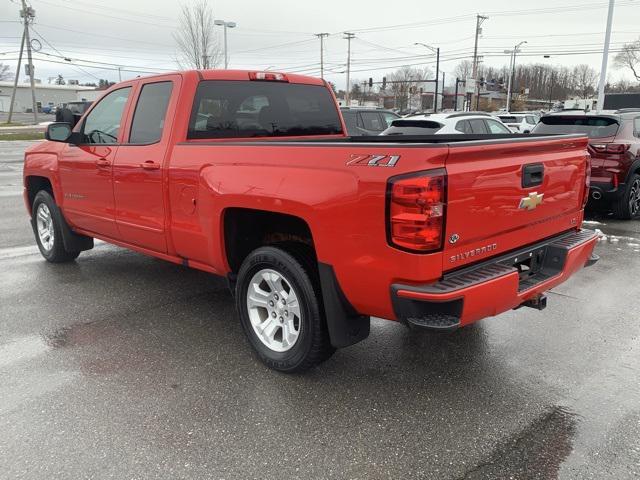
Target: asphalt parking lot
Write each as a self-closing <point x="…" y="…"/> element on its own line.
<point x="123" y="366"/>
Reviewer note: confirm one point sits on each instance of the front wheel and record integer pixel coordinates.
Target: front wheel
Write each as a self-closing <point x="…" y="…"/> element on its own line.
<point x="278" y="301"/>
<point x="48" y="231"/>
<point x="628" y="206"/>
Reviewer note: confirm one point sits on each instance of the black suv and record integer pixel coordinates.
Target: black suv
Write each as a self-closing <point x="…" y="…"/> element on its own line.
<point x="362" y="121"/>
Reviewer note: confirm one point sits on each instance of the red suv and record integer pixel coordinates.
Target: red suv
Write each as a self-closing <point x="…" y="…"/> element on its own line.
<point x="614" y="145"/>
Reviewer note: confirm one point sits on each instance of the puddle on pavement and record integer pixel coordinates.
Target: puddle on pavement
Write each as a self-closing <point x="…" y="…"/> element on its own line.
<point x="535" y="453"/>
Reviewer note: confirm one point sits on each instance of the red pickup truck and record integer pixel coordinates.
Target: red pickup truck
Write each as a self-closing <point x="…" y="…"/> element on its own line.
<point x="250" y="175"/>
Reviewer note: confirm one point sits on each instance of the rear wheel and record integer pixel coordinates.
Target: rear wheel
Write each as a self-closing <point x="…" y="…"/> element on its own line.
<point x="47" y="229"/>
<point x="278" y="302"/>
<point x="628" y="206"/>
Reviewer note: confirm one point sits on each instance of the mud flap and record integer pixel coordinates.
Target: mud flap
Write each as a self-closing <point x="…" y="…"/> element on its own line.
<point x="346" y="326"/>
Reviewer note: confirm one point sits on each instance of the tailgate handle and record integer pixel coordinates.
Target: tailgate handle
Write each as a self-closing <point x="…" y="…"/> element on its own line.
<point x="532" y="175"/>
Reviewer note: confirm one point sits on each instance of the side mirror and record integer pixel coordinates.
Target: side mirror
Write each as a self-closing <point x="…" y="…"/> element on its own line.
<point x="58" y="132"/>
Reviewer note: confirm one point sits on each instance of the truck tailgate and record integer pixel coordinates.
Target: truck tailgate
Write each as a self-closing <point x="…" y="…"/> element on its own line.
<point x="505" y="195"/>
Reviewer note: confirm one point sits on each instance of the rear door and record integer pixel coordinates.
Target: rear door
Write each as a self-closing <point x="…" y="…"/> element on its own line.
<point x="139" y="166"/>
<point x="503" y="195"/>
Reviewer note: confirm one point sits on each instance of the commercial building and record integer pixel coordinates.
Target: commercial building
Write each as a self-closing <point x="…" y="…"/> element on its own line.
<point x="46" y="94"/>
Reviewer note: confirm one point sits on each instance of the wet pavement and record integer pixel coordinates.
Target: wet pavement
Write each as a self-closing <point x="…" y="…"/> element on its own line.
<point x="123" y="366"/>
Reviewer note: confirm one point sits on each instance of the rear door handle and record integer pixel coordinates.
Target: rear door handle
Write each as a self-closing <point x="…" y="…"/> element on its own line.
<point x="150" y="165"/>
<point x="103" y="162"/>
<point x="532" y="175"/>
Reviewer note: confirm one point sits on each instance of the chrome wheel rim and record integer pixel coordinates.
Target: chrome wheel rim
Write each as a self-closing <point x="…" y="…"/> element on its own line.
<point x="274" y="310"/>
<point x="44" y="224"/>
<point x="634" y="198"/>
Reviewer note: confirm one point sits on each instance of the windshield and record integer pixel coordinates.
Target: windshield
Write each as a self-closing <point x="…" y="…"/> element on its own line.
<point x="592" y="126"/>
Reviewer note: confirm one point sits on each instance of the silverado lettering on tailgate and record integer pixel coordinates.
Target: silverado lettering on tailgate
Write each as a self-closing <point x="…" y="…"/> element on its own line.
<point x="473" y="253"/>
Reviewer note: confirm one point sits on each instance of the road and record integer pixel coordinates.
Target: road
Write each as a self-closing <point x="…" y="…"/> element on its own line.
<point x="123" y="366"/>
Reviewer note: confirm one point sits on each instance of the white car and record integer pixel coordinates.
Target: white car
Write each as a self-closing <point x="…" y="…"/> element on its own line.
<point x="519" y="122"/>
<point x="447" y="124"/>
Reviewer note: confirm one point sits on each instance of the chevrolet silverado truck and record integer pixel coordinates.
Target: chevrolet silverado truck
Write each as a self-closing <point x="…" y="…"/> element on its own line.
<point x="251" y="176"/>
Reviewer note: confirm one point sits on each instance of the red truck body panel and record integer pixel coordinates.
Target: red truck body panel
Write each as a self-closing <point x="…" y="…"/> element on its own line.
<point x="169" y="199"/>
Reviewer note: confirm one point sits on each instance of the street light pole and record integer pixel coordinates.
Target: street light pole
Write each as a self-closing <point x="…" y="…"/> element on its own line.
<point x="437" y="52"/>
<point x="225" y="25"/>
<point x="512" y="72"/>
<point x="605" y="56"/>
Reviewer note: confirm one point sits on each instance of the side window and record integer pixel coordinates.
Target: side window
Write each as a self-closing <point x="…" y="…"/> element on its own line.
<point x="464" y="126"/>
<point x="636" y="127"/>
<point x="148" y="118"/>
<point x="496" y="127"/>
<point x="477" y="126"/>
<point x="388" y="118"/>
<point x="372" y="121"/>
<point x="102" y="125"/>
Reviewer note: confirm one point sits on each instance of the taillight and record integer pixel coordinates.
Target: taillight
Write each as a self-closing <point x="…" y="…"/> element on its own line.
<point x="268" y="76"/>
<point x="610" y="147"/>
<point x="416" y="207"/>
<point x="587" y="181"/>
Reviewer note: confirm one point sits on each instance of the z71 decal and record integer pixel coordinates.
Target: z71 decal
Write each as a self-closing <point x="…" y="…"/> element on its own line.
<point x="370" y="160"/>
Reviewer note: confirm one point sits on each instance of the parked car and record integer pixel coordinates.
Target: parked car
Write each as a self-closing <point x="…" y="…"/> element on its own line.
<point x="71" y="112"/>
<point x="447" y="123"/>
<point x="614" y="145"/>
<point x="314" y="231"/>
<point x="366" y="121"/>
<point x="519" y="122"/>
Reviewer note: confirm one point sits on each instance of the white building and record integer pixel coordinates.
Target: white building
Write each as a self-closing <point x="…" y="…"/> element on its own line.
<point x="46" y="94"/>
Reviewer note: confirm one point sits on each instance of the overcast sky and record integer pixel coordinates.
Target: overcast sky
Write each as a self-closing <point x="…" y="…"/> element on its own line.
<point x="279" y="34"/>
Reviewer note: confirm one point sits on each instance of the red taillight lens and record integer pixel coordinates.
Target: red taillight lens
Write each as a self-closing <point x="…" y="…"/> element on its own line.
<point x="587" y="181"/>
<point x="268" y="76"/>
<point x="416" y="211"/>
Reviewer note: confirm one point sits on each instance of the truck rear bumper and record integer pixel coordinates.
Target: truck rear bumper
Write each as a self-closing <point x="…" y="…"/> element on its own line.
<point x="500" y="284"/>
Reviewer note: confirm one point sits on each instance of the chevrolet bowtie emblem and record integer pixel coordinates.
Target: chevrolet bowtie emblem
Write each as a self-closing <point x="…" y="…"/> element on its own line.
<point x="531" y="202"/>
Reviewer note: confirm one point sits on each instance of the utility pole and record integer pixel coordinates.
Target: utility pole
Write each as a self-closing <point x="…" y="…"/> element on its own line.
<point x="29" y="14"/>
<point x="479" y="20"/>
<point x="322" y="36"/>
<point x="15" y="82"/>
<point x="348" y="36"/>
<point x="605" y="57"/>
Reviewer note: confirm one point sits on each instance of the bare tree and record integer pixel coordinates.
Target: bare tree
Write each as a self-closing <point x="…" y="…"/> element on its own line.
<point x="5" y="74"/>
<point x="463" y="69"/>
<point x="405" y="84"/>
<point x="197" y="42"/>
<point x="585" y="79"/>
<point x="629" y="57"/>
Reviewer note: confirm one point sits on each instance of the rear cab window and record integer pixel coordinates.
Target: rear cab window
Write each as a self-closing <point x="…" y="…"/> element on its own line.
<point x="242" y="109"/>
<point x="593" y="126"/>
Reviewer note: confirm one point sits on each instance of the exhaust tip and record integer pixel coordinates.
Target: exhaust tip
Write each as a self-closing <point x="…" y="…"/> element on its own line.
<point x="596" y="195"/>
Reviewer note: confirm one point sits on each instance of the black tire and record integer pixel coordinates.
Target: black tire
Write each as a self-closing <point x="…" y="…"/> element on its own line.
<point x="313" y="345"/>
<point x="628" y="206"/>
<point x="56" y="252"/>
